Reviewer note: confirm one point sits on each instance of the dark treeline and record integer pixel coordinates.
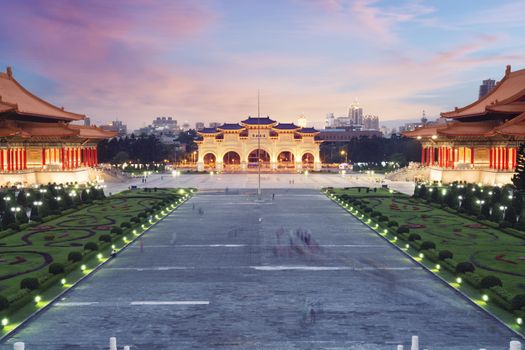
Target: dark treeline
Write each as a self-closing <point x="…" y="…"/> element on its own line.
<point x="372" y="150"/>
<point x="144" y="149"/>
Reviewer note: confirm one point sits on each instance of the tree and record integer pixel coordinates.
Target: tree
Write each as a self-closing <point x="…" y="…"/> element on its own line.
<point x="21" y="216"/>
<point x="8" y="218"/>
<point x="519" y="178"/>
<point x="22" y="198"/>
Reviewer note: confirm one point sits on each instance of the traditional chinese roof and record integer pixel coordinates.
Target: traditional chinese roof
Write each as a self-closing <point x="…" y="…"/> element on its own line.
<point x="230" y="126"/>
<point x="508" y="97"/>
<point x="14" y="98"/>
<point x="286" y="126"/>
<point x="208" y="131"/>
<point x="308" y="131"/>
<point x="27" y="129"/>
<point x="258" y="121"/>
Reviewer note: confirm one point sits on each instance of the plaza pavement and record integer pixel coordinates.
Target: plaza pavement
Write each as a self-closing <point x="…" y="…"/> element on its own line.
<point x="268" y="181"/>
<point x="234" y="278"/>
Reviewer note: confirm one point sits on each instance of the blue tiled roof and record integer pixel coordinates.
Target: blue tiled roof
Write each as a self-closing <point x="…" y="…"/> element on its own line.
<point x="230" y="126"/>
<point x="256" y="121"/>
<point x="208" y="131"/>
<point x="308" y="131"/>
<point x="286" y="126"/>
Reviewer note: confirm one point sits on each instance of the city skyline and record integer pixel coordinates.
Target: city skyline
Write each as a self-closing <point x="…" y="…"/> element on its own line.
<point x="204" y="61"/>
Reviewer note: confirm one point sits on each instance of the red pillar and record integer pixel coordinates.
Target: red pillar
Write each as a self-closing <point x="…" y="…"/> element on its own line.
<point x="513" y="158"/>
<point x="472" y="155"/>
<point x="24" y="158"/>
<point x="2" y="159"/>
<point x="422" y="155"/>
<point x="507" y="157"/>
<point x="432" y="155"/>
<point x="43" y="156"/>
<point x="8" y="159"/>
<point x="490" y="157"/>
<point x="62" y="160"/>
<point x="96" y="155"/>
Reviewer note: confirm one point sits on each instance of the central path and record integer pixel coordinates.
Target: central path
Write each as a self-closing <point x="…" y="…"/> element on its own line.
<point x="236" y="278"/>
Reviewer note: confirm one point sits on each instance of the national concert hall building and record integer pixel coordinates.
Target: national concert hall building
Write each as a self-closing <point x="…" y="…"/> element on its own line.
<point x="479" y="142"/>
<point x="39" y="142"/>
<point x="258" y="141"/>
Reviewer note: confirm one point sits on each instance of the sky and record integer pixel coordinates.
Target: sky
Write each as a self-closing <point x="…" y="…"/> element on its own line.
<point x="204" y="61"/>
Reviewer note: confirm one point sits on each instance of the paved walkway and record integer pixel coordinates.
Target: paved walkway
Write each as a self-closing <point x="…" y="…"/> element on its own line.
<point x="235" y="278"/>
<point x="268" y="181"/>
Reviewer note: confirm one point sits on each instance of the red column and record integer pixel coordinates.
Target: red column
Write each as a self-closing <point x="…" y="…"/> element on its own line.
<point x="432" y="155"/>
<point x="24" y="158"/>
<point x="43" y="156"/>
<point x="464" y="155"/>
<point x="513" y="158"/>
<point x="472" y="155"/>
<point x="68" y="157"/>
<point x="96" y="155"/>
<point x="422" y="155"/>
<point x="17" y="162"/>
<point x="8" y="154"/>
<point x="62" y="160"/>
<point x="490" y="157"/>
<point x="83" y="151"/>
<point x="2" y="159"/>
<point x="507" y="157"/>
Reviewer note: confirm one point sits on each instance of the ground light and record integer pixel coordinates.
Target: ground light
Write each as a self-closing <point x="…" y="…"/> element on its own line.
<point x="459" y="280"/>
<point x="63" y="281"/>
<point x="99" y="256"/>
<point x="113" y="246"/>
<point x="519" y="321"/>
<point x="438" y="267"/>
<point x="38" y="299"/>
<point x="485" y="297"/>
<point x="421" y="255"/>
<point x="5" y="321"/>
<point x="83" y="267"/>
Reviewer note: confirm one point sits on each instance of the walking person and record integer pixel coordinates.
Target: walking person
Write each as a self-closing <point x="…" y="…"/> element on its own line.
<point x="173" y="238"/>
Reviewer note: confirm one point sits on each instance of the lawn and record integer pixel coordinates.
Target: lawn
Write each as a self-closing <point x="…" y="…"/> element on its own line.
<point x="30" y="252"/>
<point x="492" y="251"/>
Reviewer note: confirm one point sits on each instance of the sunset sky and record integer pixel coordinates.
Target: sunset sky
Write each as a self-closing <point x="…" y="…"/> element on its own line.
<point x="204" y="60"/>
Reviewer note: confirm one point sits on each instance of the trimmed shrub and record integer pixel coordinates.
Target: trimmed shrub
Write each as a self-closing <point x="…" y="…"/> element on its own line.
<point x="49" y="237"/>
<point x="125" y="225"/>
<point x="392" y="223"/>
<point x="4" y="302"/>
<point x="464" y="267"/>
<point x="135" y="220"/>
<point x="428" y="245"/>
<point x="30" y="283"/>
<point x="91" y="246"/>
<point x="142" y="216"/>
<point x="105" y="238"/>
<point x="14" y="227"/>
<point x="518" y="302"/>
<point x="116" y="230"/>
<point x="368" y="210"/>
<point x="56" y="268"/>
<point x="414" y="237"/>
<point x="403" y="229"/>
<point x="490" y="281"/>
<point x="383" y="218"/>
<point x="75" y="256"/>
<point x="445" y="254"/>
<point x="376" y="214"/>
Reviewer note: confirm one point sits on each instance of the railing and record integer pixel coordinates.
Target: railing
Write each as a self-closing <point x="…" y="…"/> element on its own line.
<point x="514" y="345"/>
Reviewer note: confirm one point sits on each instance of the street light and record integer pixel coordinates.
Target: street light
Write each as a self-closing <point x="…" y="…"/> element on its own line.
<point x="343" y="153"/>
<point x="480" y="203"/>
<point x="504" y="209"/>
<point x="460" y="200"/>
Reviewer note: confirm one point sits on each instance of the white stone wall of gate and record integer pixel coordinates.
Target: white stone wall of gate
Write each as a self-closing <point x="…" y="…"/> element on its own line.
<point x="414" y="345"/>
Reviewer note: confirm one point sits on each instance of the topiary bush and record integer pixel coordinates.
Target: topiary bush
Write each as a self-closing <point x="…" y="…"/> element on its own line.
<point x="445" y="254"/>
<point x="91" y="246"/>
<point x="403" y="229"/>
<point x="135" y="220"/>
<point x="518" y="302"/>
<point x="376" y="214"/>
<point x="116" y="230"/>
<point x="142" y="216"/>
<point x="414" y="237"/>
<point x="105" y="238"/>
<point x="392" y="223"/>
<point x="56" y="268"/>
<point x="125" y="225"/>
<point x="490" y="281"/>
<point x="383" y="218"/>
<point x="464" y="267"/>
<point x="4" y="302"/>
<point x="428" y="245"/>
<point x="30" y="283"/>
<point x="75" y="256"/>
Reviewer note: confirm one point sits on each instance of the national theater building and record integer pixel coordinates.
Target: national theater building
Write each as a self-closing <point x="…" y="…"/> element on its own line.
<point x="232" y="147"/>
<point x="39" y="142"/>
<point x="479" y="142"/>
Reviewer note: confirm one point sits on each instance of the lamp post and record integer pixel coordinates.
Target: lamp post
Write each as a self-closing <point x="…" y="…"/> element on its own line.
<point x="460" y="200"/>
<point x="503" y="208"/>
<point x="480" y="203"/>
<point x="343" y="153"/>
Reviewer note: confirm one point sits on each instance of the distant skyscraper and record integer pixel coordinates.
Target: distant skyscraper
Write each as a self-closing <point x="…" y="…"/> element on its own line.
<point x="215" y="124"/>
<point x="199" y="125"/>
<point x="486" y="87"/>
<point x="371" y="122"/>
<point x="330" y="120"/>
<point x="355" y="113"/>
<point x="301" y="121"/>
<point x="87" y="121"/>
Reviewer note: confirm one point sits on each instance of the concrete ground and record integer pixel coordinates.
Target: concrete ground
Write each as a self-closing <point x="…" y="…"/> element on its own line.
<point x="235" y="277"/>
<point x="268" y="181"/>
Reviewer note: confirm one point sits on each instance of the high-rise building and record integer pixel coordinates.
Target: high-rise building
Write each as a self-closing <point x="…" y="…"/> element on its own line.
<point x="355" y="113"/>
<point x="301" y="121"/>
<point x="164" y="124"/>
<point x="486" y="86"/>
<point x="199" y="125"/>
<point x="116" y="126"/>
<point x="330" y="120"/>
<point x="87" y="121"/>
<point x="371" y="122"/>
<point x="215" y="124"/>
